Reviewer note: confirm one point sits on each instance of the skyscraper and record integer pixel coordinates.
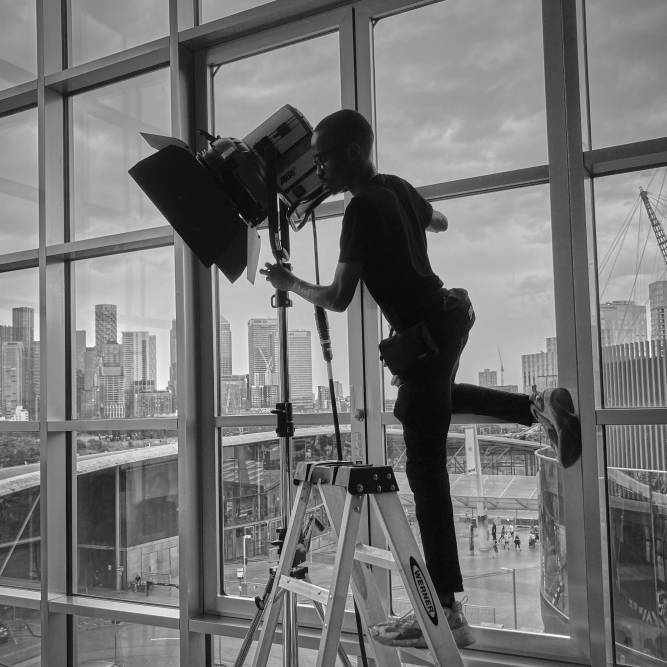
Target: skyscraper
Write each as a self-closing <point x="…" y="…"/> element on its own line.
<point x="622" y="322"/>
<point x="300" y="368"/>
<point x="657" y="296"/>
<point x="23" y="331"/>
<point x="487" y="378"/>
<point x="540" y="368"/>
<point x="262" y="350"/>
<point x="106" y="325"/>
<point x="225" y="347"/>
<point x="172" y="361"/>
<point x="6" y="336"/>
<point x="12" y="376"/>
<point x="139" y="362"/>
<point x="112" y="386"/>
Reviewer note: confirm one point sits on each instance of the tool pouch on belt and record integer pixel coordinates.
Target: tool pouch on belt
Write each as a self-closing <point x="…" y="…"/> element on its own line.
<point x="404" y="352"/>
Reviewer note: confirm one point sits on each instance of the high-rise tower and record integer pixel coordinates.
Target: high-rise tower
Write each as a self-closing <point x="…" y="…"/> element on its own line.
<point x="23" y="326"/>
<point x="225" y="347"/>
<point x="106" y="325"/>
<point x="262" y="350"/>
<point x="657" y="296"/>
<point x="300" y="368"/>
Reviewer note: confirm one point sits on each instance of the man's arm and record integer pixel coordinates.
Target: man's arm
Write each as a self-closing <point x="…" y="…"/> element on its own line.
<point x="438" y="222"/>
<point x="336" y="296"/>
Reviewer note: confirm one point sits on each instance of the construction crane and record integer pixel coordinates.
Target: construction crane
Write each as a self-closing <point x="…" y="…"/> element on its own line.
<point x="655" y="223"/>
<point x="502" y="368"/>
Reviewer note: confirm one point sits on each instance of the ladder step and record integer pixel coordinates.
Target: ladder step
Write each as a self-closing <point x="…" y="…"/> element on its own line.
<point x="375" y="556"/>
<point x="304" y="588"/>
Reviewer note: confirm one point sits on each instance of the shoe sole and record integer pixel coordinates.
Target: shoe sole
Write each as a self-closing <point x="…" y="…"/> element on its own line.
<point x="463" y="636"/>
<point x="562" y="427"/>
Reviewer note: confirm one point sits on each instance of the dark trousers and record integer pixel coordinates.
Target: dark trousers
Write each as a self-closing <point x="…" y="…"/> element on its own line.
<point x="424" y="406"/>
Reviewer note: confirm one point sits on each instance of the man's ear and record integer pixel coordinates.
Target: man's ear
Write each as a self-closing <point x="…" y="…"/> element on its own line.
<point x="353" y="152"/>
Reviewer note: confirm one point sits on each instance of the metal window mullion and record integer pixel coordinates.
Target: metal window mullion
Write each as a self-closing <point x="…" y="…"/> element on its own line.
<point x="194" y="375"/>
<point x="18" y="98"/>
<point x="55" y="464"/>
<point x="571" y="247"/>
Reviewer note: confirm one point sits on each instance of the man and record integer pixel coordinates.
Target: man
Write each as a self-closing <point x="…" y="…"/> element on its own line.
<point x="383" y="243"/>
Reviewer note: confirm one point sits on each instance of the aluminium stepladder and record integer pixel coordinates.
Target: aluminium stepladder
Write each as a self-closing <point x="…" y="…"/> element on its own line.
<point x="344" y="488"/>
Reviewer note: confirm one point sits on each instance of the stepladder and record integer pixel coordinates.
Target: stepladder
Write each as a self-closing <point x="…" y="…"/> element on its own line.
<point x="345" y="488"/>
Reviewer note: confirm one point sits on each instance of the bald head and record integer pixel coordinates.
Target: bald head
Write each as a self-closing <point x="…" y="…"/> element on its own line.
<point x="346" y="127"/>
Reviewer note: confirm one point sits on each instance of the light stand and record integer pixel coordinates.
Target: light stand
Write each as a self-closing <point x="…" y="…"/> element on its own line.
<point x="279" y="238"/>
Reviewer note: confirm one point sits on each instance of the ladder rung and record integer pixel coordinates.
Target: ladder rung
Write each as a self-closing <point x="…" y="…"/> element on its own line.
<point x="420" y="653"/>
<point x="307" y="590"/>
<point x="374" y="556"/>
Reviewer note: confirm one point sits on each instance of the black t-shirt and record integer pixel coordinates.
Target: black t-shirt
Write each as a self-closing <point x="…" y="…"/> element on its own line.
<point x="384" y="227"/>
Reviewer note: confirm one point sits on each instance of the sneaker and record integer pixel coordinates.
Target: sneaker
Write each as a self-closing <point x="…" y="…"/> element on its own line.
<point x="406" y="631"/>
<point x="554" y="410"/>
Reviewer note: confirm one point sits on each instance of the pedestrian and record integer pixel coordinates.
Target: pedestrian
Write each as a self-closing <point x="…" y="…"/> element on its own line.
<point x="517" y="542"/>
<point x="383" y="243"/>
<point x="493" y="531"/>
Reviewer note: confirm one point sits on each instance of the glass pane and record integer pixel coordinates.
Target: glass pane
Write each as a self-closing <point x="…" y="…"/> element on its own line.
<point x="18" y="42"/>
<point x="20" y="636"/>
<point x="637" y="487"/>
<point x="18" y="181"/>
<point x="459" y="89"/>
<point x="213" y="9"/>
<point x="100" y="642"/>
<point x="501" y="576"/>
<point x="248" y="338"/>
<point x="19" y="348"/>
<point x="127" y="515"/>
<point x="99" y="28"/>
<point x="106" y="143"/>
<point x="497" y="505"/>
<point x="251" y="503"/>
<point x="632" y="268"/>
<point x="19" y="510"/>
<point x="226" y="649"/>
<point x="305" y="75"/>
<point x="125" y="357"/>
<point x="626" y="66"/>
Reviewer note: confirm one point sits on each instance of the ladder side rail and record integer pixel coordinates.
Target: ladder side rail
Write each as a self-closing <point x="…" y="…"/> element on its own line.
<point x="417" y="581"/>
<point x="364" y="584"/>
<point x="272" y="611"/>
<point x="340" y="580"/>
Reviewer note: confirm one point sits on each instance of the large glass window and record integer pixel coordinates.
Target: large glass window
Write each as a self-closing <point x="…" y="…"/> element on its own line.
<point x="103" y="642"/>
<point x="20" y="387"/>
<point x="127" y="515"/>
<point x="19" y="509"/>
<point x="105" y="144"/>
<point x="125" y="327"/>
<point x="459" y="90"/>
<point x="631" y="215"/>
<point x="627" y="78"/>
<point x="637" y="487"/>
<point x="99" y="28"/>
<point x="211" y="9"/>
<point x="18" y="181"/>
<point x="18" y="42"/>
<point x="20" y="636"/>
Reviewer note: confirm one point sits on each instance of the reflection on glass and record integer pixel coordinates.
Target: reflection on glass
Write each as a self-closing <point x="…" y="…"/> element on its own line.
<point x="103" y="642"/>
<point x="226" y="649"/>
<point x="499" y="533"/>
<point x="18" y="43"/>
<point x="631" y="215"/>
<point x="212" y="9"/>
<point x="638" y="541"/>
<point x="249" y="368"/>
<point x="20" y="636"/>
<point x="460" y="90"/>
<point x="20" y="388"/>
<point x="627" y="80"/>
<point x="19" y="509"/>
<point x="18" y="181"/>
<point x="106" y="143"/>
<point x="305" y="75"/>
<point x="125" y="336"/>
<point x="99" y="28"/>
<point x="127" y="515"/>
<point x="251" y="503"/>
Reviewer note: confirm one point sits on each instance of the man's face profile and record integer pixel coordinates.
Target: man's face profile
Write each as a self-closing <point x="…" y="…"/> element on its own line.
<point x="330" y="161"/>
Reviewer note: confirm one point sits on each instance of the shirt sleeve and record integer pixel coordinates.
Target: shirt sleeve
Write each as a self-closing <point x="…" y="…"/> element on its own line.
<point x="354" y="237"/>
<point x="422" y="208"/>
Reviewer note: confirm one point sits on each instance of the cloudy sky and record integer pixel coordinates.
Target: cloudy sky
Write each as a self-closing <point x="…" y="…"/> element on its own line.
<point x="459" y="92"/>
